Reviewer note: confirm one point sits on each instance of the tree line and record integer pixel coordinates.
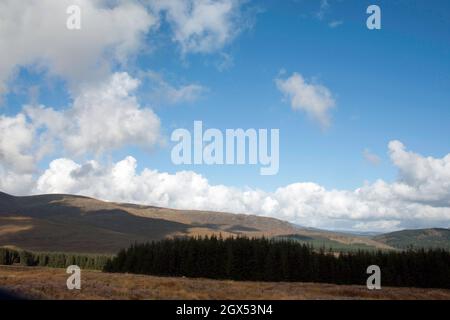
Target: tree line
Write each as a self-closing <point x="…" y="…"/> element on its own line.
<point x="52" y="259"/>
<point x="261" y="259"/>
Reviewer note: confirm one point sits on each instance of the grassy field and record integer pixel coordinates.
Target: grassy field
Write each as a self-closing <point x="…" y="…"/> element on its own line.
<point x="49" y="283"/>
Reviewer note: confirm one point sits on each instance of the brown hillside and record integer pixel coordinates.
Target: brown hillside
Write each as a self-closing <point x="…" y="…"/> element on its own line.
<point x="58" y="222"/>
<point x="82" y="224"/>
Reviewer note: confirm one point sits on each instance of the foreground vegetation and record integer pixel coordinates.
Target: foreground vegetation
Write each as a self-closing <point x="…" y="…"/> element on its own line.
<point x="50" y="283"/>
<point x="254" y="260"/>
<point x="52" y="259"/>
<point x="280" y="260"/>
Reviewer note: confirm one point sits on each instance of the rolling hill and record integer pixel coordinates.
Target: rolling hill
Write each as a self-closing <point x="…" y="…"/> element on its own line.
<point x="421" y="238"/>
<point x="81" y="224"/>
<point x="69" y="223"/>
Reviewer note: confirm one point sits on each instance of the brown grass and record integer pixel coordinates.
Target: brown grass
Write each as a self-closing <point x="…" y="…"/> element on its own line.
<point x="47" y="283"/>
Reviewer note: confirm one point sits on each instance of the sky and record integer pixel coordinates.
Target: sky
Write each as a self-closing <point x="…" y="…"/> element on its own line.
<point x="362" y="114"/>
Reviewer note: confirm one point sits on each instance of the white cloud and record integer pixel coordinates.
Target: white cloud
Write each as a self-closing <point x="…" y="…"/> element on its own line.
<point x="379" y="206"/>
<point x="371" y="157"/>
<point x="314" y="99"/>
<point x="425" y="179"/>
<point x="121" y="182"/>
<point x="17" y="161"/>
<point x="16" y="137"/>
<point x="16" y="183"/>
<point x="102" y="118"/>
<point x="34" y="33"/>
<point x="201" y="26"/>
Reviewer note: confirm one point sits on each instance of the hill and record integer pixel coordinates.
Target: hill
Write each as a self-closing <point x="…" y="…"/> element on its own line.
<point x="335" y="241"/>
<point x="421" y="238"/>
<point x="74" y="223"/>
<point x="69" y="223"/>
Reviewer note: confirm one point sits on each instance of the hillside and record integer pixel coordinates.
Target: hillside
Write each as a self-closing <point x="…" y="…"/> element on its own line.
<point x="421" y="238"/>
<point x="82" y="224"/>
<point x="335" y="241"/>
<point x="69" y="223"/>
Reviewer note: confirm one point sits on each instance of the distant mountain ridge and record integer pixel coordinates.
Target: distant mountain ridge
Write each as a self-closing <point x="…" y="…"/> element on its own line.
<point x="56" y="222"/>
<point x="419" y="238"/>
<point x="72" y="223"/>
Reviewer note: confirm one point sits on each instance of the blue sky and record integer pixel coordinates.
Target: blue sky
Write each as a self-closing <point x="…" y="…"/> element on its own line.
<point x="388" y="84"/>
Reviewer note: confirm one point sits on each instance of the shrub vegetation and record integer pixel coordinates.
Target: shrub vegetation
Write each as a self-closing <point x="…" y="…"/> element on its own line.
<point x="52" y="259"/>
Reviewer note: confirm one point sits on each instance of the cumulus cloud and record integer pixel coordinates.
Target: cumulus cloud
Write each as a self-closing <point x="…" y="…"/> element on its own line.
<point x="425" y="179"/>
<point x="18" y="154"/>
<point x="17" y="163"/>
<point x="102" y="118"/>
<point x="16" y="138"/>
<point x="418" y="201"/>
<point x="34" y="33"/>
<point x="201" y="26"/>
<point x="314" y="99"/>
<point x="16" y="183"/>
